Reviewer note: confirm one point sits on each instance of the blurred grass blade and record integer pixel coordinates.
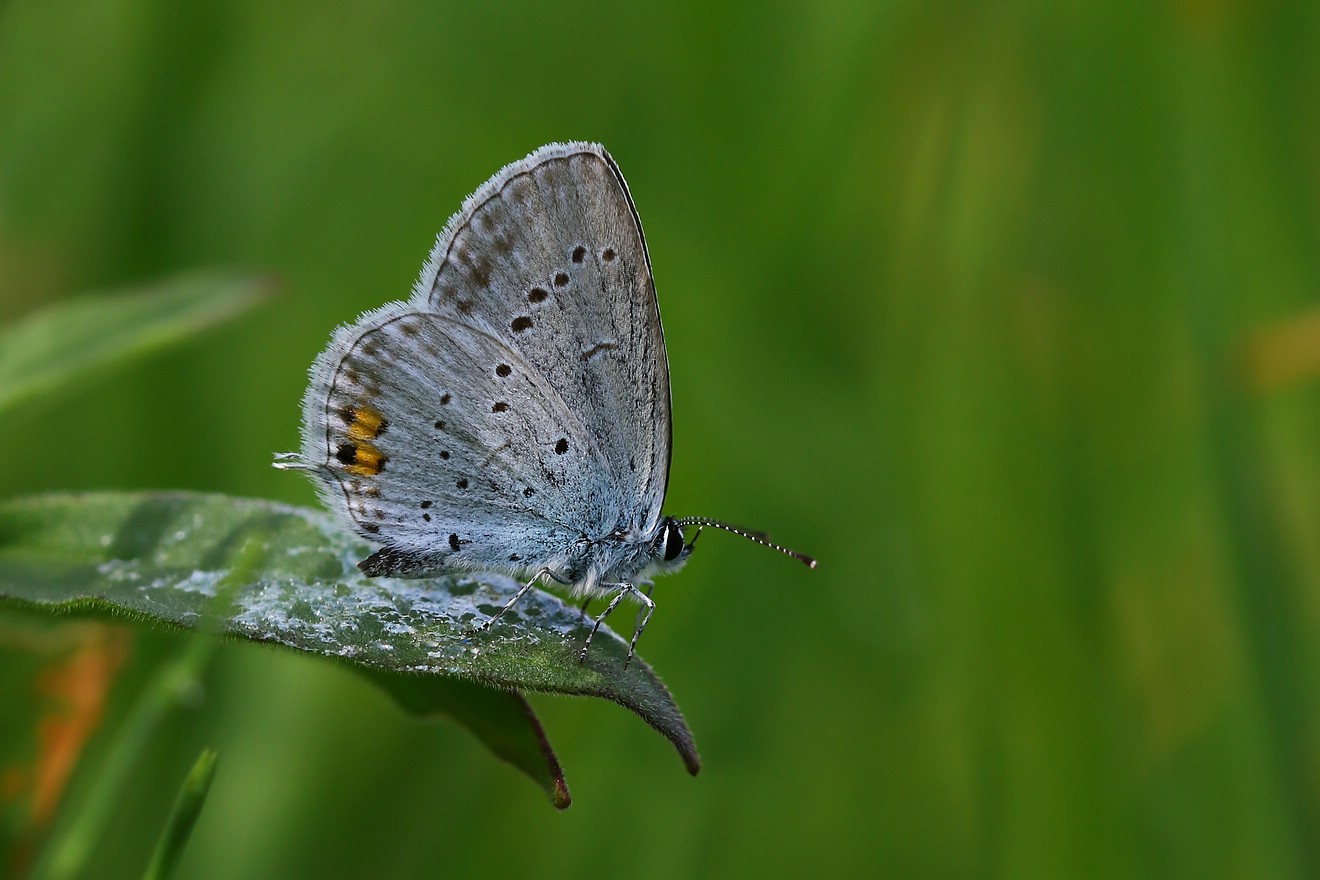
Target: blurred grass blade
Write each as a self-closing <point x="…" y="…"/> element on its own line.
<point x="179" y="826"/>
<point x="159" y="558"/>
<point x="42" y="351"/>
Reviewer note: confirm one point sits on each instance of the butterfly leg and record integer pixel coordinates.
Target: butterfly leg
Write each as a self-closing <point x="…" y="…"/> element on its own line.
<point x="543" y="573"/>
<point x="624" y="590"/>
<point x="649" y="609"/>
<point x="643" y="616"/>
<point x="650" y="588"/>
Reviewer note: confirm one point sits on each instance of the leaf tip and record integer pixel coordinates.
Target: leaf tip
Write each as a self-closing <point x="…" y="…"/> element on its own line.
<point x="559" y="794"/>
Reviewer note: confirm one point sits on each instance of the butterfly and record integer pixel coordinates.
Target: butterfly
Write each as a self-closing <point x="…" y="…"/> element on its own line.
<point x="513" y="415"/>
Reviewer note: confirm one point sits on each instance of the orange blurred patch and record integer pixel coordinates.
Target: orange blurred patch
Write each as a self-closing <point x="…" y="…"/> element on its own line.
<point x="71" y="693"/>
<point x="1283" y="354"/>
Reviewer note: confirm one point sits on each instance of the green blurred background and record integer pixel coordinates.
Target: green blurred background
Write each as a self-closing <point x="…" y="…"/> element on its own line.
<point x="1007" y="312"/>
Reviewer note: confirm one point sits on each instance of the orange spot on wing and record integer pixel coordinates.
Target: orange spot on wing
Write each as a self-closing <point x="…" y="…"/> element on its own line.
<point x="367" y="462"/>
<point x="367" y="424"/>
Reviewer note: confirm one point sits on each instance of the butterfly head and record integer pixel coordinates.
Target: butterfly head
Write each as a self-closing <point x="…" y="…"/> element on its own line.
<point x="670" y="548"/>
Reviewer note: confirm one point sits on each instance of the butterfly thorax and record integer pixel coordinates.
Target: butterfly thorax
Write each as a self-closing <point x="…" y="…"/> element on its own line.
<point x="633" y="556"/>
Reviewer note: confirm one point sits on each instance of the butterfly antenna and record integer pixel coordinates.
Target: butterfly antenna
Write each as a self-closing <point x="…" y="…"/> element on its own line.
<point x="756" y="537"/>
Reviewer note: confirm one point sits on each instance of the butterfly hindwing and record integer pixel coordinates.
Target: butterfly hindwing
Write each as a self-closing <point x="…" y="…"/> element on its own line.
<point x="446" y="446"/>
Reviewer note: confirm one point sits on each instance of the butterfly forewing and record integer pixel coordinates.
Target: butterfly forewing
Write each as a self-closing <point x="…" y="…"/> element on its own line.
<point x="549" y="258"/>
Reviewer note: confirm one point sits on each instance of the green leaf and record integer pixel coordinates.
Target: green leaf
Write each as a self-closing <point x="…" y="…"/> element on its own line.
<point x="47" y="349"/>
<point x="289" y="577"/>
<point x="187" y="807"/>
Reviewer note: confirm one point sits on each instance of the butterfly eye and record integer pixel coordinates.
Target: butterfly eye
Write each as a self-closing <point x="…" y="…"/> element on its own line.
<point x="673" y="541"/>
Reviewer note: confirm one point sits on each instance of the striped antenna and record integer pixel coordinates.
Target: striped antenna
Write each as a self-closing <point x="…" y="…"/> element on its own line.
<point x="756" y="537"/>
